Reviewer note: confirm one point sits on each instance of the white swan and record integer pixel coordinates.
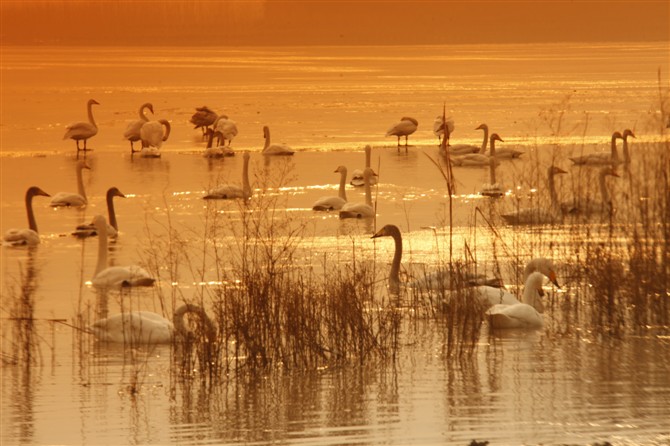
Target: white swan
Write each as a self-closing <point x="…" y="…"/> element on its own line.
<point x="357" y="175"/>
<point x="588" y="206"/>
<point x="493" y="188"/>
<point x="464" y="149"/>
<point x="88" y="230"/>
<point x="216" y="152"/>
<point x="83" y="130"/>
<point x="16" y="237"/>
<point x="145" y="327"/>
<point x="524" y="314"/>
<point x="70" y="198"/>
<point x="438" y="127"/>
<point x="225" y="129"/>
<point x="626" y="154"/>
<point x="539" y="215"/>
<point x="274" y="149"/>
<point x="361" y="210"/>
<point x="132" y="132"/>
<point x="203" y="118"/>
<point x="478" y="159"/>
<point x="405" y="127"/>
<point x="232" y="191"/>
<point x="153" y="134"/>
<point x="115" y="276"/>
<point x="599" y="159"/>
<point x="334" y="203"/>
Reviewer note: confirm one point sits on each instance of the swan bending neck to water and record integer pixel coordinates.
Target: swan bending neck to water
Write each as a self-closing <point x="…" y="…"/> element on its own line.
<point x="145" y="327"/>
<point x="274" y="149"/>
<point x="464" y="149"/>
<point x="361" y="210"/>
<point x="525" y="314"/>
<point x="83" y="130"/>
<point x="538" y="215"/>
<point x="439" y="128"/>
<point x="225" y="129"/>
<point x="88" y="230"/>
<point x="599" y="159"/>
<point x="69" y="198"/>
<point x="357" y="175"/>
<point x="332" y="203"/>
<point x="405" y="127"/>
<point x="394" y="275"/>
<point x="232" y="191"/>
<point x="626" y="153"/>
<point x="216" y="152"/>
<point x="30" y="236"/>
<point x="115" y="276"/>
<point x="132" y="132"/>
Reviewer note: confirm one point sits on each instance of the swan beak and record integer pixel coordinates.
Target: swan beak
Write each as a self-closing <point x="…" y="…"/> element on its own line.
<point x="380" y="233"/>
<point x="559" y="170"/>
<point x="552" y="277"/>
<point x="615" y="174"/>
<point x="42" y="193"/>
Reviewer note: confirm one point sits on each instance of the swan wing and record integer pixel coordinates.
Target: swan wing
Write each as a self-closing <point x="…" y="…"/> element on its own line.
<point x="490" y="296"/>
<point x="80" y="130"/>
<point x="225" y="192"/>
<point x="332" y="203"/>
<point x="19" y="237"/>
<point x="67" y="199"/>
<point x="518" y="315"/>
<point x="356" y="210"/>
<point x="136" y="327"/>
<point x="122" y="276"/>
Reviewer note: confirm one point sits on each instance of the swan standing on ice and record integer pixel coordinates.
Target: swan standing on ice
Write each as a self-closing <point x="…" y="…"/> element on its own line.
<point x="132" y="132"/>
<point x="232" y="191"/>
<point x="525" y="314"/>
<point x="153" y="134"/>
<point x="361" y="210"/>
<point x="405" y="127"/>
<point x="83" y="130"/>
<point x="357" y="175"/>
<point x="626" y="153"/>
<point x="438" y="127"/>
<point x="464" y="149"/>
<point x="145" y="327"/>
<point x="115" y="276"/>
<point x="88" y="230"/>
<point x="70" y="198"/>
<point x="16" y="237"/>
<point x="599" y="159"/>
<point x="274" y="149"/>
<point x="216" y="152"/>
<point x="538" y="215"/>
<point x="479" y="159"/>
<point x="334" y="203"/>
<point x="225" y="129"/>
<point x="203" y="118"/>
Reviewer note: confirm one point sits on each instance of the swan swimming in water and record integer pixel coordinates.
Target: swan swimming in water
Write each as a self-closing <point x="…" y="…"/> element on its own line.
<point x="525" y="314"/>
<point x="357" y="175"/>
<point x="464" y="149"/>
<point x="478" y="159"/>
<point x="599" y="159"/>
<point x="132" y="132"/>
<point x="88" y="230"/>
<point x="405" y="127"/>
<point x="70" y="198"/>
<point x="232" y="191"/>
<point x="83" y="130"/>
<point x="334" y="203"/>
<point x="30" y="237"/>
<point x="539" y="215"/>
<point x="274" y="149"/>
<point x="115" y="276"/>
<point x="588" y="206"/>
<point x="361" y="210"/>
<point x="146" y="327"/>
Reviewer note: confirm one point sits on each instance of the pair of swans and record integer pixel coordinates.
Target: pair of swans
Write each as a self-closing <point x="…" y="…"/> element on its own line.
<point x="357" y="179"/>
<point x="464" y="149"/>
<point x="146" y="327"/>
<point x="334" y="203"/>
<point x="586" y="206"/>
<point x="225" y="129"/>
<point x="132" y="132"/>
<point x="600" y="159"/>
<point x="203" y="118"/>
<point x="83" y="130"/>
<point x="539" y="215"/>
<point x="216" y="152"/>
<point x="405" y="127"/>
<point x="70" y="198"/>
<point x="30" y="236"/>
<point x="233" y="191"/>
<point x="361" y="210"/>
<point x="479" y="159"/>
<point x="115" y="276"/>
<point x="270" y="149"/>
<point x="88" y="230"/>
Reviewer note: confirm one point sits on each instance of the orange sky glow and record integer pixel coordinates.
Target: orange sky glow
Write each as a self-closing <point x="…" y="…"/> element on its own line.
<point x="326" y="22"/>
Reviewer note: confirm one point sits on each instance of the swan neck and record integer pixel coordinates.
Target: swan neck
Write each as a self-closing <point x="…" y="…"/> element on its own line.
<point x="626" y="154"/>
<point x="246" y="186"/>
<point x="110" y="211"/>
<point x="90" y="115"/>
<point x="143" y="113"/>
<point x="368" y="191"/>
<point x="80" y="183"/>
<point x="208" y="327"/>
<point x="343" y="184"/>
<point x="267" y="139"/>
<point x="32" y="224"/>
<point x="615" y="153"/>
<point x="492" y="172"/>
<point x="394" y="276"/>
<point x="368" y="155"/>
<point x="102" y="249"/>
<point x="485" y="141"/>
<point x="530" y="296"/>
<point x="168" y="127"/>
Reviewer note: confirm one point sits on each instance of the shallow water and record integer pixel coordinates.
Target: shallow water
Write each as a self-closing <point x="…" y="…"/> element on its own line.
<point x="540" y="387"/>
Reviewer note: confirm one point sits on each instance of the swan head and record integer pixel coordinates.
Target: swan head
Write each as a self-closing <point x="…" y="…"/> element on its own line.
<point x="387" y="231"/>
<point x="368" y="173"/>
<point x="543" y="266"/>
<point x="341" y="169"/>
<point x="34" y="191"/>
<point x="266" y="131"/>
<point x="81" y="164"/>
<point x="407" y="118"/>
<point x="115" y="192"/>
<point x="93" y="102"/>
<point x="608" y="171"/>
<point x="627" y="133"/>
<point x="148" y="106"/>
<point x="496" y="137"/>
<point x="617" y="135"/>
<point x="555" y="170"/>
<point x="482" y="127"/>
<point x="100" y="223"/>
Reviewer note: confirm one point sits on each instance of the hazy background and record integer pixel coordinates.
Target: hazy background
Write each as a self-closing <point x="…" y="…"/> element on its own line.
<point x="281" y="22"/>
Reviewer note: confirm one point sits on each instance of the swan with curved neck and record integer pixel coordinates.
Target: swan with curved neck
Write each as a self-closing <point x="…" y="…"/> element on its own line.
<point x="626" y="153"/>
<point x="357" y="175"/>
<point x="479" y="159"/>
<point x="115" y="276"/>
<point x="361" y="210"/>
<point x="83" y="130"/>
<point x="145" y="327"/>
<point x="203" y="118"/>
<point x="464" y="149"/>
<point x="525" y="314"/>
<point x="70" y="198"/>
<point x="588" y="206"/>
<point x="539" y="215"/>
<point x="30" y="236"/>
<point x="232" y="191"/>
<point x="394" y="275"/>
<point x="132" y="132"/>
<point x="216" y="152"/>
<point x="334" y="203"/>
<point x="270" y="149"/>
<point x="599" y="159"/>
<point x="88" y="230"/>
<point x="225" y="129"/>
<point x="405" y="127"/>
